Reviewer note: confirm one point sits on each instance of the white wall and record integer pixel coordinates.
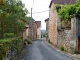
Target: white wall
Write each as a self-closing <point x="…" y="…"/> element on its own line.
<point x="26" y="32"/>
<point x="38" y="33"/>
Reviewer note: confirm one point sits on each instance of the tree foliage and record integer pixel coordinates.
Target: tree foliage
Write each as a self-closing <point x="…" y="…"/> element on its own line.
<point x="11" y="12"/>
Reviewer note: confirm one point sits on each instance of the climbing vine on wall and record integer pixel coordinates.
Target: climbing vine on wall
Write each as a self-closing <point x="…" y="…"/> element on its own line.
<point x="64" y="11"/>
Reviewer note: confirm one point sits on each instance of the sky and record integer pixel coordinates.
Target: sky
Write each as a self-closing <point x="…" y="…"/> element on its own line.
<point x="41" y="6"/>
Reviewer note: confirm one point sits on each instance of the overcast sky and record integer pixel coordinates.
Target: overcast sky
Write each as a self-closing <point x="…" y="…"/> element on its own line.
<point x="38" y="6"/>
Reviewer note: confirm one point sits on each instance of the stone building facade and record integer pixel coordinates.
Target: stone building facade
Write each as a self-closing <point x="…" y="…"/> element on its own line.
<point x="36" y="30"/>
<point x="53" y="19"/>
<point x="47" y="24"/>
<point x="52" y="24"/>
<point x="26" y="32"/>
<point x="67" y="37"/>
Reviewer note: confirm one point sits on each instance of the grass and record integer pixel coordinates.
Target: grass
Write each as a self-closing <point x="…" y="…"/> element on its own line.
<point x="48" y="40"/>
<point x="61" y="48"/>
<point x="28" y="40"/>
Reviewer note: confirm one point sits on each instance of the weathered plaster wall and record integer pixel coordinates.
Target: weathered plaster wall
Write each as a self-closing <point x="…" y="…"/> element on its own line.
<point x="39" y="33"/>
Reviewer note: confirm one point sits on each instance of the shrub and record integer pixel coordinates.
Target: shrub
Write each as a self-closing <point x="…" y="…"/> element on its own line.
<point x="14" y="44"/>
<point x="9" y="35"/>
<point x="49" y="40"/>
<point x="20" y="37"/>
<point x="2" y="52"/>
<point x="5" y="42"/>
<point x="61" y="48"/>
<point x="28" y="41"/>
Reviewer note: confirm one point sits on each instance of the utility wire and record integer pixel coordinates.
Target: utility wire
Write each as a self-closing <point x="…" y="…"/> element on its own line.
<point x="41" y="12"/>
<point x="34" y="11"/>
<point x="37" y="15"/>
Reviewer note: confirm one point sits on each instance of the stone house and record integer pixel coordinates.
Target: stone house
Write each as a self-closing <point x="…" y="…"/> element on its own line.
<point x="32" y="32"/>
<point x="26" y="31"/>
<point x="35" y="31"/>
<point x="47" y="23"/>
<point x="38" y="29"/>
<point x="68" y="37"/>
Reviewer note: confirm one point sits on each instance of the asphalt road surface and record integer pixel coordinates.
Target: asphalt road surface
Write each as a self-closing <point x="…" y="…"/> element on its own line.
<point x="39" y="50"/>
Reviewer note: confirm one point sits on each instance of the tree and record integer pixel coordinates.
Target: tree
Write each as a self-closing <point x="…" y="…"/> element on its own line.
<point x="11" y="12"/>
<point x="2" y="6"/>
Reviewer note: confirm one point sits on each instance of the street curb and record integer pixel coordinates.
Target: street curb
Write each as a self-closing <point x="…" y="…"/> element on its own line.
<point x="66" y="53"/>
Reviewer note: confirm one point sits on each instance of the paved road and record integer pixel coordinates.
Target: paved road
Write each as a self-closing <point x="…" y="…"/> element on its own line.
<point x="39" y="50"/>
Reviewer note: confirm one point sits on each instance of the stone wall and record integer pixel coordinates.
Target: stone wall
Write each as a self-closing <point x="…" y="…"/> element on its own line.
<point x="68" y="38"/>
<point x="10" y="55"/>
<point x="64" y="38"/>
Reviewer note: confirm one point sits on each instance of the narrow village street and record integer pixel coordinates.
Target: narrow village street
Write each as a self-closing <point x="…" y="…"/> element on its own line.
<point x="39" y="29"/>
<point x="40" y="50"/>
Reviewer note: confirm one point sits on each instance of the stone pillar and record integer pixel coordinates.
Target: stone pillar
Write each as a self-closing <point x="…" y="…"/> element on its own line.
<point x="74" y="37"/>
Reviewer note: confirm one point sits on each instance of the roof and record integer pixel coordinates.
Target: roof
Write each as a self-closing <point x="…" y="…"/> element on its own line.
<point x="38" y="23"/>
<point x="31" y="21"/>
<point x="62" y="2"/>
